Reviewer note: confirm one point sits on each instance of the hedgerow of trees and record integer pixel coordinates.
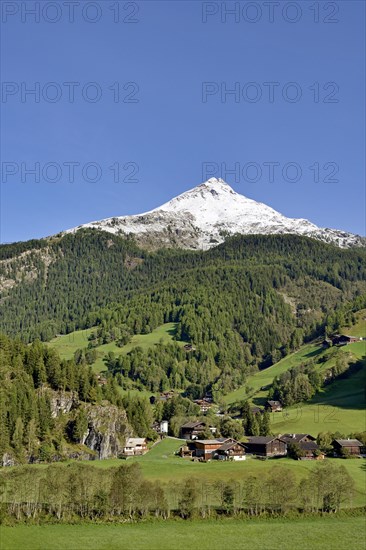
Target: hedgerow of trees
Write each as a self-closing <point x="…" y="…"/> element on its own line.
<point x="79" y="492"/>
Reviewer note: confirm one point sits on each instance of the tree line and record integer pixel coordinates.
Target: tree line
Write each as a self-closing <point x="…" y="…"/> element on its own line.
<point x="79" y="492"/>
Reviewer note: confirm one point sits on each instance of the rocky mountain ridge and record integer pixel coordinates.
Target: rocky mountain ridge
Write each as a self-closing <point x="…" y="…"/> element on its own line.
<point x="204" y="216"/>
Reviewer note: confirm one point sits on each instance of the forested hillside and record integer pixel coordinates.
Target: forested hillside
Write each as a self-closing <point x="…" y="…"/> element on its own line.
<point x="243" y="304"/>
<point x="49" y="407"/>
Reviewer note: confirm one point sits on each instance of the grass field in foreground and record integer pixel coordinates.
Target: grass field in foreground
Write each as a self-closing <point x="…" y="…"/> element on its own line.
<point x="67" y="344"/>
<point x="320" y="533"/>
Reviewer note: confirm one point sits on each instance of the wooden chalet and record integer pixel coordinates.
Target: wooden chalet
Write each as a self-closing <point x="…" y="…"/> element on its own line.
<point x="297" y="438"/>
<point x="189" y="347"/>
<point x="163" y="396"/>
<point x="352" y="446"/>
<point x="266" y="446"/>
<point x="160" y="428"/>
<point x="192" y="430"/>
<point x="185" y="451"/>
<point x="326" y="343"/>
<point x="273" y="406"/>
<point x="166" y="395"/>
<point x="134" y="446"/>
<point x="195" y="430"/>
<point x="311" y="451"/>
<point x="230" y="450"/>
<point x="204" y="405"/>
<point x="343" y="339"/>
<point x="306" y="443"/>
<point x="204" y="449"/>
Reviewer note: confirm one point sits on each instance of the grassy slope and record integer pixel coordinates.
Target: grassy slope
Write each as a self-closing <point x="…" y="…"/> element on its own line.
<point x="338" y="407"/>
<point x="67" y="345"/>
<point x="279" y="534"/>
<point x="359" y="328"/>
<point x="265" y="377"/>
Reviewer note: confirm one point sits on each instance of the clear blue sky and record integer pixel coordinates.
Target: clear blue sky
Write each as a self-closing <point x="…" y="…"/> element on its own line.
<point x="169" y="52"/>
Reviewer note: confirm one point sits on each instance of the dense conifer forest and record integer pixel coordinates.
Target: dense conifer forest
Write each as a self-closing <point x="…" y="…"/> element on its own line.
<point x="242" y="306"/>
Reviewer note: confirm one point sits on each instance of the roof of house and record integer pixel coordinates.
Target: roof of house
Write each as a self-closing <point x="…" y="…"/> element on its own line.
<point x="308" y="446"/>
<point x="295" y="438"/>
<point x="349" y="442"/>
<point x="261" y="439"/>
<point x="275" y="403"/>
<point x="193" y="424"/>
<point x="211" y="441"/>
<point x="229" y="445"/>
<point x="135" y="441"/>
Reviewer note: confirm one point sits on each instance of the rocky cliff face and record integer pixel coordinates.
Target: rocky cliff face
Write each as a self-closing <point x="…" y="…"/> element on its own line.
<point x="105" y="436"/>
<point x="108" y="429"/>
<point x="63" y="402"/>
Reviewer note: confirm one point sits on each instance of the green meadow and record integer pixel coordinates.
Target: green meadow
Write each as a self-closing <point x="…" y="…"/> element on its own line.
<point x="162" y="464"/>
<point x="266" y="376"/>
<point x="359" y="327"/>
<point x="338" y="407"/>
<point x="66" y="345"/>
<point x="318" y="533"/>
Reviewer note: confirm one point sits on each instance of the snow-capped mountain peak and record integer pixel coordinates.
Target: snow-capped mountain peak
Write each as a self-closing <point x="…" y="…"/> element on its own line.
<point x="203" y="216"/>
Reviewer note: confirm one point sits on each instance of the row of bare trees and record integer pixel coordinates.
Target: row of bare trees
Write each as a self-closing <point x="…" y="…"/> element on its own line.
<point x="83" y="492"/>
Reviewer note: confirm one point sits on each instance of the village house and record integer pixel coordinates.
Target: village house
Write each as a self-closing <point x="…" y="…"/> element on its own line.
<point x="343" y="339"/>
<point x="256" y="410"/>
<point x="273" y="406"/>
<point x="310" y="451"/>
<point x="296" y="438"/>
<point x="192" y="430"/>
<point x="134" y="446"/>
<point x="204" y="405"/>
<point x="230" y="450"/>
<point x="351" y="446"/>
<point x="189" y="347"/>
<point x="306" y="444"/>
<point x="204" y="449"/>
<point x="160" y="428"/>
<point x="195" y="430"/>
<point x="163" y="396"/>
<point x="266" y="446"/>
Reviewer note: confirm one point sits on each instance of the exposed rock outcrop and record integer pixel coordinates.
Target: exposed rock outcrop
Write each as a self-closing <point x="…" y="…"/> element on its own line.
<point x="7" y="460"/>
<point x="63" y="402"/>
<point x="108" y="429"/>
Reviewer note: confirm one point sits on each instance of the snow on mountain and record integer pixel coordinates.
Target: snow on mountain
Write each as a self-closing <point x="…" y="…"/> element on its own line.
<point x="202" y="217"/>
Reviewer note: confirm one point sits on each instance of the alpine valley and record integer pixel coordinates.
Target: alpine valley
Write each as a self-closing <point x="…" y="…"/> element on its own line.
<point x="189" y="301"/>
